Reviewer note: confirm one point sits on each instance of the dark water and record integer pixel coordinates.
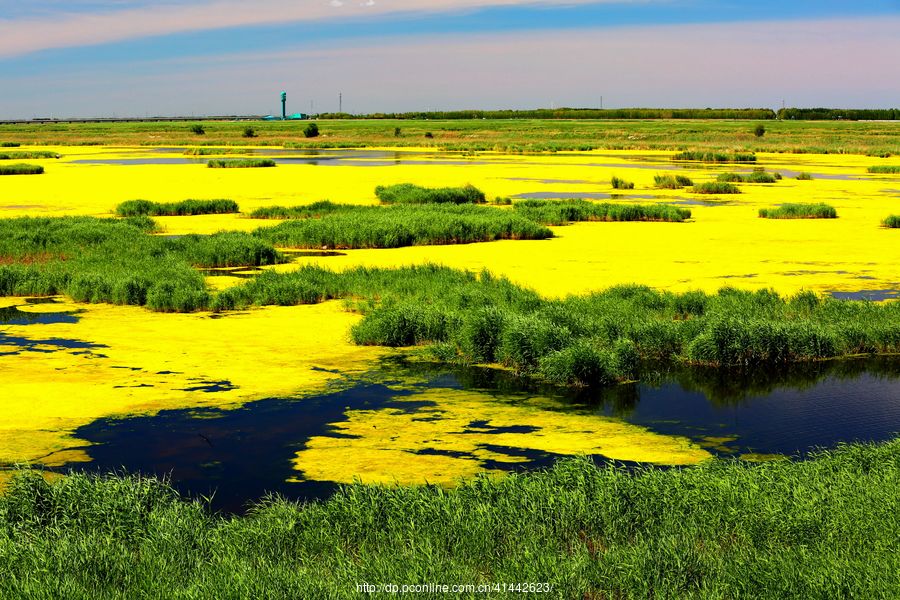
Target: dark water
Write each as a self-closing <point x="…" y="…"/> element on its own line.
<point x="239" y="455"/>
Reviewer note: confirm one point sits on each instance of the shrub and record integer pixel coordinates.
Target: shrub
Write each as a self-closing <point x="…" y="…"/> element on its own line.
<point x="249" y="132"/>
<point x="429" y="135"/>
<point x="799" y="211"/>
<point x="249" y="163"/>
<point x="715" y="187"/>
<point x="804" y="176"/>
<point x="621" y="184"/>
<point x="892" y="222"/>
<point x="311" y="131"/>
<point x="198" y="130"/>
<point x="760" y="130"/>
<point x="397" y="132"/>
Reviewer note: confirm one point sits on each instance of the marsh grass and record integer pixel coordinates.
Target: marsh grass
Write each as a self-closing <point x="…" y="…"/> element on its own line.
<point x="131" y="208"/>
<point x="715" y="187"/>
<point x="621" y="184"/>
<point x="885" y="169"/>
<point x="21" y="169"/>
<point x="672" y="182"/>
<point x="892" y="222"/>
<point x="560" y="212"/>
<point x="309" y="211"/>
<point x="819" y="528"/>
<point x="758" y="175"/>
<point x="249" y="163"/>
<point x="715" y="157"/>
<point x="804" y="176"/>
<point x="216" y="151"/>
<point x="799" y="211"/>
<point x="27" y="155"/>
<point x="10" y="144"/>
<point x="408" y="193"/>
<point x="402" y="225"/>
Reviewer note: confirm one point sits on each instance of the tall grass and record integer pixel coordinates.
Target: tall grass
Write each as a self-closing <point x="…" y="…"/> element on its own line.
<point x="886" y="169"/>
<point x="131" y="208"/>
<point x="216" y="151"/>
<point x="309" y="211"/>
<point x="672" y="182"/>
<point x="892" y="222"/>
<point x="250" y="163"/>
<point x="21" y="169"/>
<point x="715" y="187"/>
<point x="403" y="225"/>
<point x="757" y="176"/>
<point x="819" y="528"/>
<point x="621" y="184"/>
<point x="583" y="341"/>
<point x="715" y="157"/>
<point x="799" y="211"/>
<point x="27" y="155"/>
<point x="804" y="176"/>
<point x="560" y="212"/>
<point x="408" y="193"/>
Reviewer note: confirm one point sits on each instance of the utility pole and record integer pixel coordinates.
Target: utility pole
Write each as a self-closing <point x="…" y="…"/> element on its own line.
<point x="283" y="106"/>
<point x="601" y="102"/>
<point x="340" y="102"/>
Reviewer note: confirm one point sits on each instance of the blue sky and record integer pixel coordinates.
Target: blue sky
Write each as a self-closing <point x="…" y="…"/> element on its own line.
<point x="132" y="57"/>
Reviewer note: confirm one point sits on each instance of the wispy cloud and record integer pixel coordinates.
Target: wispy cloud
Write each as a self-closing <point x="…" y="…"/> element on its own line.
<point x="826" y="62"/>
<point x="112" y="21"/>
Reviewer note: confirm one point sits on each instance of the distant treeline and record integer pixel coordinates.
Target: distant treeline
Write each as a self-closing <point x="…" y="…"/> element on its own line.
<point x="573" y="113"/>
<point x="840" y="114"/>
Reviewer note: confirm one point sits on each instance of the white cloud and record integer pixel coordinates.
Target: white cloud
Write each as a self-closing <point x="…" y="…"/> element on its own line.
<point x="23" y="36"/>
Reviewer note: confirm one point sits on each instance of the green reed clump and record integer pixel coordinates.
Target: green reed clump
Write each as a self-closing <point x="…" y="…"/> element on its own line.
<point x="621" y="184"/>
<point x="21" y="169"/>
<point x="582" y="341"/>
<point x="308" y="211"/>
<point x="819" y="528"/>
<point x="9" y="144"/>
<point x="715" y="157"/>
<point x="27" y="155"/>
<point x="892" y="222"/>
<point x="132" y="208"/>
<point x="672" y="182"/>
<point x="408" y="193"/>
<point x="249" y="163"/>
<point x="804" y="176"/>
<point x="715" y="187"/>
<point x="560" y="212"/>
<point x="885" y="169"/>
<point x="403" y="225"/>
<point x="756" y="176"/>
<point x="117" y="261"/>
<point x="799" y="211"/>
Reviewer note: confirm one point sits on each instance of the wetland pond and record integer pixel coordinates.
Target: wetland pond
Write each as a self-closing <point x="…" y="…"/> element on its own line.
<point x="288" y="445"/>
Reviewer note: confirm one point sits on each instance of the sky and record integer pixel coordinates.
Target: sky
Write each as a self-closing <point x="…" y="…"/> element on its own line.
<point x="127" y="58"/>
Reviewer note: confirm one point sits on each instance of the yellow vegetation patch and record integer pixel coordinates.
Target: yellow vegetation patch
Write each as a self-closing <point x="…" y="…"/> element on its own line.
<point x="458" y="432"/>
<point x="141" y="362"/>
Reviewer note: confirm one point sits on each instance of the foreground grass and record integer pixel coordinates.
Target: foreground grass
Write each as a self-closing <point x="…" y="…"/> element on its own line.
<point x="21" y="169"/>
<point x="403" y="225"/>
<point x="560" y="212"/>
<point x="408" y="193"/>
<point x="818" y="529"/>
<point x="134" y="208"/>
<point x="799" y="211"/>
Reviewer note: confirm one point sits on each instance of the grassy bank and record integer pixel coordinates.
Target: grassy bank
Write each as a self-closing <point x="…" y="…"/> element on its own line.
<point x="134" y="208"/>
<point x="403" y="225"/>
<point x="508" y="135"/>
<point x="817" y="529"/>
<point x="799" y="211"/>
<point x="560" y="212"/>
